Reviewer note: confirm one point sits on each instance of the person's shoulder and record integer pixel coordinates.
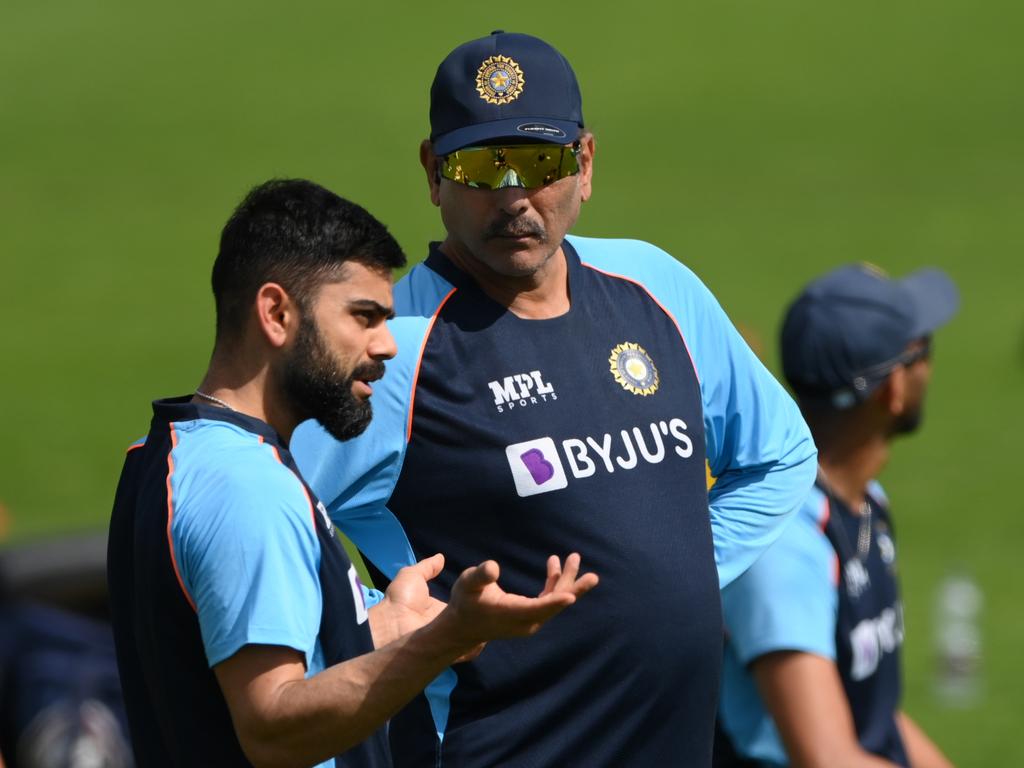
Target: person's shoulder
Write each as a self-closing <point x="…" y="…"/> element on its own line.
<point x="218" y="443"/>
<point x="801" y="547"/>
<point x="218" y="464"/>
<point x="659" y="273"/>
<point x="420" y="292"/>
<point x="419" y="297"/>
<point x="626" y="256"/>
<point x="787" y="599"/>
<point x="878" y="494"/>
<point x="801" y="555"/>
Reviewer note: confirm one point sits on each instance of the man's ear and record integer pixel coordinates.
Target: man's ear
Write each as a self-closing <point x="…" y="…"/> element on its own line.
<point x="586" y="161"/>
<point x="894" y="391"/>
<point x="277" y="314"/>
<point x="432" y="166"/>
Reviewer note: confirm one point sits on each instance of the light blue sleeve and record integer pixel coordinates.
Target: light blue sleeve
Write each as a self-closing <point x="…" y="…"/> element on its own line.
<point x="354" y="479"/>
<point x="246" y="547"/>
<point x="877" y="492"/>
<point x="371" y="596"/>
<point x="758" y="446"/>
<point x="787" y="600"/>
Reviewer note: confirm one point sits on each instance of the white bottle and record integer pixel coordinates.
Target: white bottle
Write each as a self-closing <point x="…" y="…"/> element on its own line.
<point x="957" y="616"/>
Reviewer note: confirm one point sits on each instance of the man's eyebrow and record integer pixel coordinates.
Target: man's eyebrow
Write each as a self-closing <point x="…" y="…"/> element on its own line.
<point x="372" y="306"/>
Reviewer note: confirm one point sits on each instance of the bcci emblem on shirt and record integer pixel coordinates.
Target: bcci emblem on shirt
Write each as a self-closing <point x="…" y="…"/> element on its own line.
<point x="634" y="369"/>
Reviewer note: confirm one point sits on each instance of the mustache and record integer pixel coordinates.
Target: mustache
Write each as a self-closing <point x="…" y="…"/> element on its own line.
<point x="516" y="228"/>
<point x="368" y="371"/>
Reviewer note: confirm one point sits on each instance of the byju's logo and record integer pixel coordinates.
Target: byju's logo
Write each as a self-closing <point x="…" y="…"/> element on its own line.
<point x="537" y="464"/>
<point x="521" y="390"/>
<point x="536" y="467"/>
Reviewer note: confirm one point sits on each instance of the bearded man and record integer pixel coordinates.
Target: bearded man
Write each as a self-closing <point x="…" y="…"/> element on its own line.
<point x="243" y="633"/>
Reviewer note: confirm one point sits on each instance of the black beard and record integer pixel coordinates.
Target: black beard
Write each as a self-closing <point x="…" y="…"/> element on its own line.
<point x="316" y="387"/>
<point x="907" y="422"/>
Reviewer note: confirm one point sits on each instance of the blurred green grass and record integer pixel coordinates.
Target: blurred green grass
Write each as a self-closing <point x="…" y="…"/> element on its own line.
<point x="760" y="143"/>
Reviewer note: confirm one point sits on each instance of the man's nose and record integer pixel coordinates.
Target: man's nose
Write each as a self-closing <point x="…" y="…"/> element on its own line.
<point x="383" y="345"/>
<point x="514" y="201"/>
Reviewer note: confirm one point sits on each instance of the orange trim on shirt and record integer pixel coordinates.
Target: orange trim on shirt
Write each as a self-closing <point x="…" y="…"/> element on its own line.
<point x="129" y="449"/>
<point x="826" y="513"/>
<point x="655" y="300"/>
<point x="419" y="362"/>
<point x="277" y="455"/>
<point x="170" y="517"/>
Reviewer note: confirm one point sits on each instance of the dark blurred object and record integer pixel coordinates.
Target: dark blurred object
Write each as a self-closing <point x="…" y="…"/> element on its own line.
<point x="68" y="572"/>
<point x="60" y="696"/>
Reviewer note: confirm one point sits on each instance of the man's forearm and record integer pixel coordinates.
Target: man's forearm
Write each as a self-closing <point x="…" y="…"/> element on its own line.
<point x="283" y="718"/>
<point x="805" y="697"/>
<point x="308" y="720"/>
<point x="922" y="751"/>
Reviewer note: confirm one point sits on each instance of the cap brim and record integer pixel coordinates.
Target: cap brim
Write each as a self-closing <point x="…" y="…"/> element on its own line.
<point x="936" y="299"/>
<point x="516" y="129"/>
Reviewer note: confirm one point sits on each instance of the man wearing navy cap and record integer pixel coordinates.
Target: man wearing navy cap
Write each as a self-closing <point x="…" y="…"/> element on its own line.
<point x="812" y="664"/>
<point x="549" y="389"/>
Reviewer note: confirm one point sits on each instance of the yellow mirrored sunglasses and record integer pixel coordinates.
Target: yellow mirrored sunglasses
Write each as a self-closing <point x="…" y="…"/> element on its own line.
<point x="520" y="165"/>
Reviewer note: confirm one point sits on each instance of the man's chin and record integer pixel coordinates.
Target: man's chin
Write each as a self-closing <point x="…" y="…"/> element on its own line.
<point x="355" y="425"/>
<point x="908" y="424"/>
<point x="517" y="260"/>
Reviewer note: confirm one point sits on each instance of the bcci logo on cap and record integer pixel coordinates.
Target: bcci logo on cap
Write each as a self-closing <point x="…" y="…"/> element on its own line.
<point x="499" y="80"/>
<point x="634" y="369"/>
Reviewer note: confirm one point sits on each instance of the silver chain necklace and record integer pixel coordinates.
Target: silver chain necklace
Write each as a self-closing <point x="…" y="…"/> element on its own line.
<point x="864" y="524"/>
<point x="213" y="399"/>
<point x="864" y="531"/>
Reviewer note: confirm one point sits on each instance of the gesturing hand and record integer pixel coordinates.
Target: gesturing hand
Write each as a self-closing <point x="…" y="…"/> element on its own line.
<point x="407" y="604"/>
<point x="480" y="610"/>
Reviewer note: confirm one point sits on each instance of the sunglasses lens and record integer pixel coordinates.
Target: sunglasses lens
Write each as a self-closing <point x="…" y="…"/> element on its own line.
<point x="524" y="165"/>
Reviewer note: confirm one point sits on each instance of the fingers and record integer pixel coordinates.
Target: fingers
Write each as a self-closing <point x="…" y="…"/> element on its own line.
<point x="427" y="568"/>
<point x="564" y="579"/>
<point x="569" y="572"/>
<point x="554" y="574"/>
<point x="477" y="577"/>
<point x="485" y="611"/>
<point x="531" y="613"/>
<point x="585" y="583"/>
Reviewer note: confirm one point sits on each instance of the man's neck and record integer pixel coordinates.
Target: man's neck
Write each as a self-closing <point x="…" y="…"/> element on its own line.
<point x="849" y="468"/>
<point x="246" y="391"/>
<point x="539" y="295"/>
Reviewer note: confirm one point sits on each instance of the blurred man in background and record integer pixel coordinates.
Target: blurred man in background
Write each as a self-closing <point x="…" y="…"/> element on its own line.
<point x="812" y="665"/>
<point x="60" y="696"/>
<point x="551" y="388"/>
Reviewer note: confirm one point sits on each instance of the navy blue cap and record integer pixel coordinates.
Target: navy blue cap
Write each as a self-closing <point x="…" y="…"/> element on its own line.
<point x="846" y="330"/>
<point x="504" y="86"/>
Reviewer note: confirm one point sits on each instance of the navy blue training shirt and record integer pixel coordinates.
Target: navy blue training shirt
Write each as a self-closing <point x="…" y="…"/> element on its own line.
<point x="812" y="593"/>
<point x="499" y="437"/>
<point x="216" y="543"/>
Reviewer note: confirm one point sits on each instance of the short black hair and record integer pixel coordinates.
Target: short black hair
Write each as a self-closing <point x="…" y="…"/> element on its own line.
<point x="297" y="234"/>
